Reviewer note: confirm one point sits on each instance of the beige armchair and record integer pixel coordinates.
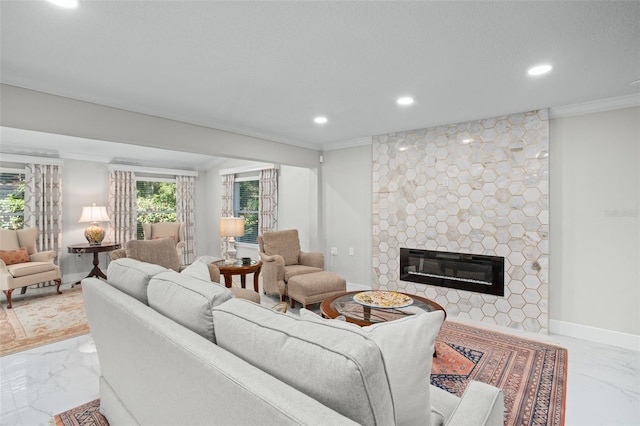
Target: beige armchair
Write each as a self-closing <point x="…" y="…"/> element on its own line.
<point x="175" y="230"/>
<point x="21" y="265"/>
<point x="282" y="259"/>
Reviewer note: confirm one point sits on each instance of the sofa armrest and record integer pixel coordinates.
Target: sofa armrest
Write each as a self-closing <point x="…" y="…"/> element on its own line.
<point x="3" y="266"/>
<point x="312" y="259"/>
<point x="118" y="254"/>
<point x="214" y="273"/>
<point x="480" y="405"/>
<point x="43" y="256"/>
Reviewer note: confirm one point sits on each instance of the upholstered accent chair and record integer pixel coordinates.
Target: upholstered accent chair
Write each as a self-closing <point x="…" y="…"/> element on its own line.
<point x="174" y="230"/>
<point x="21" y="265"/>
<point x="282" y="259"/>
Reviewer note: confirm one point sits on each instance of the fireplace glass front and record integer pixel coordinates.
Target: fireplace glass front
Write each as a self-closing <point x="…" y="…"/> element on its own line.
<point x="462" y="271"/>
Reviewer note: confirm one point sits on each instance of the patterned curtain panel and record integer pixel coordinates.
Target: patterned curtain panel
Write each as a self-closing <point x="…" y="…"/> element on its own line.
<point x="122" y="206"/>
<point x="268" y="217"/>
<point x="185" y="188"/>
<point x="43" y="204"/>
<point x="227" y="201"/>
<point x="227" y="195"/>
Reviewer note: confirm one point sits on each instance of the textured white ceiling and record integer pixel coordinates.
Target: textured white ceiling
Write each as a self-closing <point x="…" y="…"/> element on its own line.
<point x="267" y="68"/>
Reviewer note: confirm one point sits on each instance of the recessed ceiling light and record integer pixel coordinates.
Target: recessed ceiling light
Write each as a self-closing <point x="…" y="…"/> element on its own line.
<point x="539" y="69"/>
<point x="405" y="100"/>
<point x="320" y="120"/>
<point x="69" y="4"/>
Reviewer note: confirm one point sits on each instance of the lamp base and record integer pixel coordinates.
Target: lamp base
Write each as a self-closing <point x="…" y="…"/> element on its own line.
<point x="94" y="234"/>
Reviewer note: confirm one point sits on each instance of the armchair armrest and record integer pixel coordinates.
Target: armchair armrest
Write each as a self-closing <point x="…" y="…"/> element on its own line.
<point x="268" y="259"/>
<point x="272" y="272"/>
<point x="43" y="256"/>
<point x="312" y="259"/>
<point x="118" y="254"/>
<point x="3" y="267"/>
<point x="214" y="272"/>
<point x="480" y="405"/>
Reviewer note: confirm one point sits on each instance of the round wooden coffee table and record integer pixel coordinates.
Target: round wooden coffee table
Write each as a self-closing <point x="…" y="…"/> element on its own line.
<point x="354" y="312"/>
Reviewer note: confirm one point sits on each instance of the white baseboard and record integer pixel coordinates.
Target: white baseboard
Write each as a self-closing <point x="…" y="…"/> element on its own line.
<point x="357" y="287"/>
<point x="597" y="335"/>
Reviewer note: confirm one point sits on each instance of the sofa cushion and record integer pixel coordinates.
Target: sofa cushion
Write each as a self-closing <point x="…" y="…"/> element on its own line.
<point x="198" y="270"/>
<point x="187" y="300"/>
<point x="407" y="347"/>
<point x="132" y="276"/>
<point x="12" y="257"/>
<point x="295" y="270"/>
<point x="161" y="252"/>
<point x="29" y="268"/>
<point x="283" y="243"/>
<point x="342" y="369"/>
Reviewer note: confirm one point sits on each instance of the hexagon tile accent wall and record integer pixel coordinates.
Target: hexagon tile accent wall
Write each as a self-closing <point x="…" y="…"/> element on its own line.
<point x="480" y="187"/>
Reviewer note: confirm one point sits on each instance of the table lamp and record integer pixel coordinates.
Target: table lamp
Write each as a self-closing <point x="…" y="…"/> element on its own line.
<point x="94" y="214"/>
<point x="231" y="227"/>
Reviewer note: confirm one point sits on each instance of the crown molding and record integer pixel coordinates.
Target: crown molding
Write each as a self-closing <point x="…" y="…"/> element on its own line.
<point x="591" y="107"/>
<point x="29" y="159"/>
<point x="350" y="143"/>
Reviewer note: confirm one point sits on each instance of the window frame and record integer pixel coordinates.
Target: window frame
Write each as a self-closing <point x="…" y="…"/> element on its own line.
<point x="142" y="178"/>
<point x="236" y="207"/>
<point x="16" y="171"/>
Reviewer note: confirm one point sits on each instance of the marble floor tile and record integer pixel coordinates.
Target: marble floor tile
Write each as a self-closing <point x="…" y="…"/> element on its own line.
<point x="603" y="385"/>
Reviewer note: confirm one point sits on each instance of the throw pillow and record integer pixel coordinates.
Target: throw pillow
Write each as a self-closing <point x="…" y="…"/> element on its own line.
<point x="197" y="270"/>
<point x="407" y="347"/>
<point x="341" y="369"/>
<point x="11" y="257"/>
<point x="160" y="252"/>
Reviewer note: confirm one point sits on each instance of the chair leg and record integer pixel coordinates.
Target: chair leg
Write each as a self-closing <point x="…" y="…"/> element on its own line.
<point x="58" y="282"/>
<point x="8" y="294"/>
<point x="293" y="302"/>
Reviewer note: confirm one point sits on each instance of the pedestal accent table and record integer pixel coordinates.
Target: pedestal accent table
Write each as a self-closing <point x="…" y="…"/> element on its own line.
<point x="95" y="249"/>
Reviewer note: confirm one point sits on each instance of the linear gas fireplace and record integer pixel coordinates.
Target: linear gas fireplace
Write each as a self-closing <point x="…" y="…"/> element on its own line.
<point x="462" y="271"/>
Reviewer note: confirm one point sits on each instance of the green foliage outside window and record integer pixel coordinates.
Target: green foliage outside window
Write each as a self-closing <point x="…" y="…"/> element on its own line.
<point x="247" y="205"/>
<point x="12" y="200"/>
<point x="156" y="203"/>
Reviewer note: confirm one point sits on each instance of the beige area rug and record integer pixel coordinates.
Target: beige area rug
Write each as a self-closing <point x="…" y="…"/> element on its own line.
<point x="41" y="319"/>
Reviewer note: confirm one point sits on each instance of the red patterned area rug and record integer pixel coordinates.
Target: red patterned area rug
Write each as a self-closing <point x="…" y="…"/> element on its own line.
<point x="85" y="415"/>
<point x="532" y="375"/>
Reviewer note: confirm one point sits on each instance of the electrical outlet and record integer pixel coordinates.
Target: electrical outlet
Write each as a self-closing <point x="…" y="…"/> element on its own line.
<point x="334" y="251"/>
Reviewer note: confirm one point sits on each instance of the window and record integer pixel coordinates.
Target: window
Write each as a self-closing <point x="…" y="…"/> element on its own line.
<point x="12" y="200"/>
<point x="156" y="199"/>
<point x="246" y="203"/>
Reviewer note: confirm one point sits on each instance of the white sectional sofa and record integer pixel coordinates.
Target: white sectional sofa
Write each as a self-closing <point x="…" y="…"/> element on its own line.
<point x="175" y="349"/>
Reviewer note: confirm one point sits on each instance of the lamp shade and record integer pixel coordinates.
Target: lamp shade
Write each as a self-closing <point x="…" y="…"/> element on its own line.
<point x="94" y="214"/>
<point x="231" y="226"/>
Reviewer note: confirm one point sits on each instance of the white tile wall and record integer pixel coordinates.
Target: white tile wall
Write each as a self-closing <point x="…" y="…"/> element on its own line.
<point x="480" y="187"/>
